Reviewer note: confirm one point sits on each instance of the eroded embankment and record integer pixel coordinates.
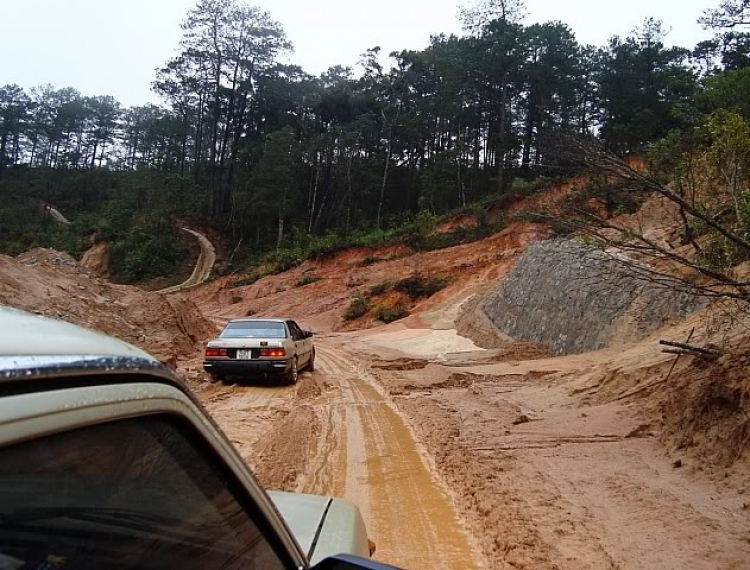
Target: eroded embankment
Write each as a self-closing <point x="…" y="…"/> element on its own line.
<point x="575" y="299"/>
<point x="52" y="284"/>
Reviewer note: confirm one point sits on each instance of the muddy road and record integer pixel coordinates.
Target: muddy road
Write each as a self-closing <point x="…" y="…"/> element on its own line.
<point x="464" y="465"/>
<point x="337" y="433"/>
<point x="203" y="266"/>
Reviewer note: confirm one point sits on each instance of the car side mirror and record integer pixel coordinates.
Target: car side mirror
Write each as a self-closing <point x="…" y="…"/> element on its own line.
<point x="347" y="562"/>
<point x="308" y="334"/>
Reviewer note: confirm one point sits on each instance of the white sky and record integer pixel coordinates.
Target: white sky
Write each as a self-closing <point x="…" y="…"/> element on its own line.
<point x="111" y="47"/>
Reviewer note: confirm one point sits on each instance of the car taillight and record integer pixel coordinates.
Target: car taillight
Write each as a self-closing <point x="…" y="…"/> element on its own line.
<point x="272" y="352"/>
<point x="216" y="352"/>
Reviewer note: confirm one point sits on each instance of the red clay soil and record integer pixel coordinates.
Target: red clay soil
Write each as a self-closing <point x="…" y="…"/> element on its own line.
<point x="343" y="277"/>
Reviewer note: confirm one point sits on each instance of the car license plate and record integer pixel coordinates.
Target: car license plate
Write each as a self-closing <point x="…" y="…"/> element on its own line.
<point x="244" y="355"/>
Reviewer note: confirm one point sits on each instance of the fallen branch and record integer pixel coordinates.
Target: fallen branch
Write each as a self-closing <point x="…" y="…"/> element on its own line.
<point x="709" y="352"/>
<point x="697" y="354"/>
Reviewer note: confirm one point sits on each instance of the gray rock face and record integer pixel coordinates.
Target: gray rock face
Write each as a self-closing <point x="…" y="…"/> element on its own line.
<point x="576" y="299"/>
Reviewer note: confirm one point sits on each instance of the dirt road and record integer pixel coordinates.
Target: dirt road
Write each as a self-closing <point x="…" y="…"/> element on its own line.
<point x="459" y="465"/>
<point x="342" y="436"/>
<point x="203" y="267"/>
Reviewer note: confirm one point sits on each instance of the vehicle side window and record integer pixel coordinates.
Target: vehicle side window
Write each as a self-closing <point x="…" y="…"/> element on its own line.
<point x="295" y="331"/>
<point x="140" y="493"/>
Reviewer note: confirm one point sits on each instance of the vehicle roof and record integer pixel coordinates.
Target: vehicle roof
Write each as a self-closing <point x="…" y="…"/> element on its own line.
<point x="25" y="334"/>
<point x="259" y="320"/>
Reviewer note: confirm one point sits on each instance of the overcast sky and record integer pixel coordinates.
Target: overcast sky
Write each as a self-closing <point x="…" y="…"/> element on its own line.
<point x="111" y="47"/>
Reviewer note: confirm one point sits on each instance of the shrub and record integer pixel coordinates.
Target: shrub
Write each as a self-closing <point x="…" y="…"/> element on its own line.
<point x="307" y="280"/>
<point x="420" y="287"/>
<point x="149" y="250"/>
<point x="381" y="288"/>
<point x="521" y="187"/>
<point x="358" y="307"/>
<point x="249" y="279"/>
<point x="395" y="313"/>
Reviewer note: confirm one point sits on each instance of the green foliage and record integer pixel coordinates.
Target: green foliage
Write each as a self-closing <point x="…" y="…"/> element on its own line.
<point x="729" y="90"/>
<point x="418" y="287"/>
<point x="721" y="254"/>
<point x="358" y="307"/>
<point x="522" y="187"/>
<point x="395" y="313"/>
<point x="148" y="250"/>
<point x="294" y="166"/>
<point x="381" y="288"/>
<point x="307" y="280"/>
<point x="249" y="279"/>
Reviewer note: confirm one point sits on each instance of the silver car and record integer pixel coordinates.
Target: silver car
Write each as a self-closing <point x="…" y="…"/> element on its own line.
<point x="260" y="348"/>
<point x="108" y="461"/>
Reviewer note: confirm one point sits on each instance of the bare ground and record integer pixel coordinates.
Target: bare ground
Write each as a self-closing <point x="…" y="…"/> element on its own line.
<point x="459" y="456"/>
<point x="515" y="464"/>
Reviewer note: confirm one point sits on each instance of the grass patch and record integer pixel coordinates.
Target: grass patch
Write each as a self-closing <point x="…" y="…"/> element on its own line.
<point x="358" y="307"/>
<point x="308" y="280"/>
<point x="381" y="288"/>
<point x="395" y="313"/>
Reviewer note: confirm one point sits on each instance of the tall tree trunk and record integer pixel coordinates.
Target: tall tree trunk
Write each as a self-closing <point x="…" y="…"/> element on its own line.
<point x="501" y="139"/>
<point x="280" y="235"/>
<point x="313" y="198"/>
<point x="528" y="135"/>
<point x="3" y="146"/>
<point x="213" y="190"/>
<point x="388" y="150"/>
<point x="93" y="154"/>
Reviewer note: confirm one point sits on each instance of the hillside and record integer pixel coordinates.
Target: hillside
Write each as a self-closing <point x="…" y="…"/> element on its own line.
<point x="615" y="456"/>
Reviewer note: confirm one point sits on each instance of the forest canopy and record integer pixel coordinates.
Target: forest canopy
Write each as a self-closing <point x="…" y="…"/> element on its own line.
<point x="272" y="155"/>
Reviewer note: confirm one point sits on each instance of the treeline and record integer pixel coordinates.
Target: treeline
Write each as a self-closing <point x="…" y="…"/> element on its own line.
<point x="272" y="154"/>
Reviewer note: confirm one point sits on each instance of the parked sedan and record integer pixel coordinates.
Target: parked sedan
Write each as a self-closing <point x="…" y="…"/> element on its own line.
<point x="260" y="348"/>
<point x="108" y="461"/>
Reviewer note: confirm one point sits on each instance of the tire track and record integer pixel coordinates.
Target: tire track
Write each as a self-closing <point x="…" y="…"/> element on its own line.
<point x="409" y="513"/>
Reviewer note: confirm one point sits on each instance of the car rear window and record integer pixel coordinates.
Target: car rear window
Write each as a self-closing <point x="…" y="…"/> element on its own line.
<point x="254" y="329"/>
<point x="130" y="494"/>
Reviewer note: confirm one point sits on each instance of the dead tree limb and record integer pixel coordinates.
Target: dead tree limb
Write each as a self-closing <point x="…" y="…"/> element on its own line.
<point x="712" y="352"/>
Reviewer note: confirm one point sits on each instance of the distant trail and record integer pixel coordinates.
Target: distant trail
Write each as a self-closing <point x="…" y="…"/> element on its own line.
<point x="203" y="267"/>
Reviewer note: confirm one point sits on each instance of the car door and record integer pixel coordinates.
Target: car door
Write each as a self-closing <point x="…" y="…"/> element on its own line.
<point x="299" y="348"/>
<point x="305" y="343"/>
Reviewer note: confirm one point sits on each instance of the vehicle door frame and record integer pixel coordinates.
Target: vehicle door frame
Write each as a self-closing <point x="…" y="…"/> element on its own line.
<point x="29" y="416"/>
<point x="300" y="347"/>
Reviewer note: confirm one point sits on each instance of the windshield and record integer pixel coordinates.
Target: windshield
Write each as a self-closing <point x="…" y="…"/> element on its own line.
<point x="133" y="494"/>
<point x="254" y="329"/>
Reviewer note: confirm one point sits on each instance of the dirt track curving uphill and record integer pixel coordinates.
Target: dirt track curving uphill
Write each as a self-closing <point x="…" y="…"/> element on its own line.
<point x="203" y="266"/>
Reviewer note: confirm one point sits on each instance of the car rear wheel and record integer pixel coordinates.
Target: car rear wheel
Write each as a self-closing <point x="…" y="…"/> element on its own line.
<point x="217" y="377"/>
<point x="293" y="373"/>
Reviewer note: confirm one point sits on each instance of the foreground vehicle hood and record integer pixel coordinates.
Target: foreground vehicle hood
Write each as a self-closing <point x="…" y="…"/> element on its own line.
<point x="323" y="526"/>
